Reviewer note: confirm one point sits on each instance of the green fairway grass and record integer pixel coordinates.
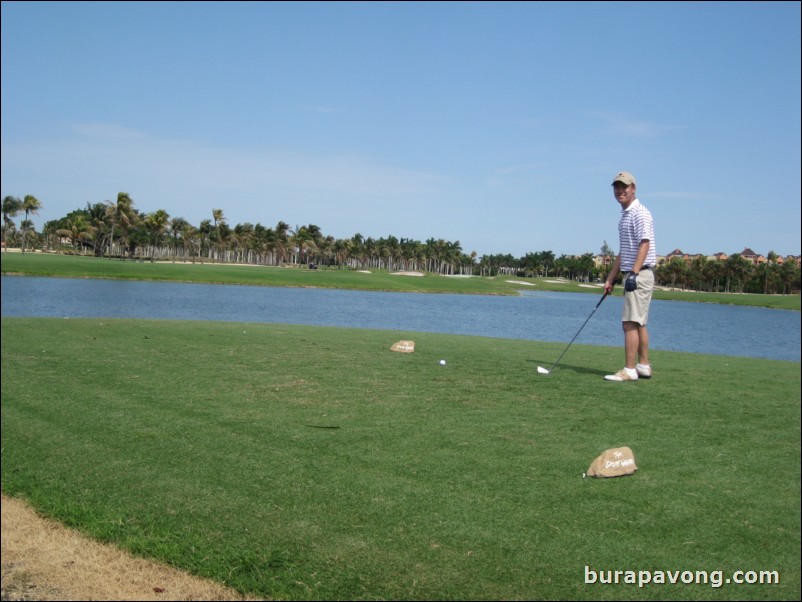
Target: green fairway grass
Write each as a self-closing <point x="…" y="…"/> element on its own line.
<point x="313" y="463"/>
<point x="71" y="266"/>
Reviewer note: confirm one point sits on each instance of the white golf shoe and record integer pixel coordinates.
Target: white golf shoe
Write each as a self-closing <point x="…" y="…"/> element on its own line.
<point x="621" y="376"/>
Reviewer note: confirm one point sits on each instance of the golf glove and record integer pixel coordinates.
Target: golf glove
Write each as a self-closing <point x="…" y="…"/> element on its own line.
<point x="631" y="283"/>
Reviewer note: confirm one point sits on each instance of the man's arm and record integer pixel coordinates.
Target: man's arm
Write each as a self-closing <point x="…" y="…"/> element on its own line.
<point x="609" y="284"/>
<point x="643" y="251"/>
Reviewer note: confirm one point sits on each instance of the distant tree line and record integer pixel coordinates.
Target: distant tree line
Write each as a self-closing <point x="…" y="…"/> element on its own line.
<point x="119" y="230"/>
<point x="736" y="274"/>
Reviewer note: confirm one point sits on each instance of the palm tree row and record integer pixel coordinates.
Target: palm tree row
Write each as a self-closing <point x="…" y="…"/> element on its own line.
<point x="733" y="275"/>
<point x="119" y="230"/>
<point x="12" y="205"/>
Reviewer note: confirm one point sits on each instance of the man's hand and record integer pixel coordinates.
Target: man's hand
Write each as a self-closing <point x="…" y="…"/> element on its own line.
<point x="631" y="283"/>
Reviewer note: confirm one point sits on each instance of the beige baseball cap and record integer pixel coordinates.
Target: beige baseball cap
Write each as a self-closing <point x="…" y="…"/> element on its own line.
<point x="625" y="177"/>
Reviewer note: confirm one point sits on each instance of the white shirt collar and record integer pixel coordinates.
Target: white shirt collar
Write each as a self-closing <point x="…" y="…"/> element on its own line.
<point x="632" y="205"/>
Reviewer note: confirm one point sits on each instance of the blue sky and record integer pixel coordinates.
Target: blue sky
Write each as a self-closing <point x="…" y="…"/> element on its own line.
<point x="498" y="125"/>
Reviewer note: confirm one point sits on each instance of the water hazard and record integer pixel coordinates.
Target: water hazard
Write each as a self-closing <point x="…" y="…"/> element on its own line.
<point x="544" y="316"/>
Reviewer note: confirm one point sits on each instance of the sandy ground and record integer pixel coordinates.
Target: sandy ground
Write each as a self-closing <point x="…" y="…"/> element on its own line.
<point x="43" y="560"/>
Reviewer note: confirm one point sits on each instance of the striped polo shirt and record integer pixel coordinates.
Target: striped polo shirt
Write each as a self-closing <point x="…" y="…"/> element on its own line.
<point x="635" y="225"/>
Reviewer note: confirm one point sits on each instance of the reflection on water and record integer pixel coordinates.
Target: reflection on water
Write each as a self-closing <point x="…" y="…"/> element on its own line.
<point x="674" y="326"/>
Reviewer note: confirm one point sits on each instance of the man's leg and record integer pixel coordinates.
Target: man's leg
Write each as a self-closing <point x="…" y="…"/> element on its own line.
<point x="631" y="346"/>
<point x="632" y="343"/>
<point x="643" y="346"/>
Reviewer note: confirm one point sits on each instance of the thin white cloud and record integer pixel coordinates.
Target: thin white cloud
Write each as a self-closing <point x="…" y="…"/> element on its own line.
<point x="687" y="196"/>
<point x="93" y="161"/>
<point x="105" y="131"/>
<point x="534" y="122"/>
<point x="516" y="169"/>
<point x="323" y="110"/>
<point x="626" y="126"/>
<point x="516" y="177"/>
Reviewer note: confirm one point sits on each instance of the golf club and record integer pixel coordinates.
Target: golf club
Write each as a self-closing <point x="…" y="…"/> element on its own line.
<point x="542" y="370"/>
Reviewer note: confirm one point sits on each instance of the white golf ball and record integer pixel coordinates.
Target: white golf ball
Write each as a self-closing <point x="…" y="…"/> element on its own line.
<point x="442" y="362"/>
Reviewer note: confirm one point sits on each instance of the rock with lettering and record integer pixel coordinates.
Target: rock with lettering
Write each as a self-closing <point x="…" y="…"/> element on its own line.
<point x="616" y="462"/>
<point x="404" y="346"/>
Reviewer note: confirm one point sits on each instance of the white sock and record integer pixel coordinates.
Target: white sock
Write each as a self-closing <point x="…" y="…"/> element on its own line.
<point x="632" y="372"/>
<point x="644" y="366"/>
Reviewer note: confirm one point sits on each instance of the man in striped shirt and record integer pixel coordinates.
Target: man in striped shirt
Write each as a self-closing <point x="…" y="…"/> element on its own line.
<point x="636" y="260"/>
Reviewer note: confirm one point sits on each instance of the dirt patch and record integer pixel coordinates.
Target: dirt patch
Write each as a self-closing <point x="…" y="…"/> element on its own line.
<point x="43" y="560"/>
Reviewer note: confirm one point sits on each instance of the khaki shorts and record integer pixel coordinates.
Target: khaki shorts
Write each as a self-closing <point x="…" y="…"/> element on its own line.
<point x="636" y="303"/>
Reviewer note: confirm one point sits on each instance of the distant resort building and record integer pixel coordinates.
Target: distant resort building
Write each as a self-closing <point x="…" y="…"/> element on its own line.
<point x="747" y="253"/>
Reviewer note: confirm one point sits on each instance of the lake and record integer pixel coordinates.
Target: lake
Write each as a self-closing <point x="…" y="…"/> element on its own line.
<point x="534" y="315"/>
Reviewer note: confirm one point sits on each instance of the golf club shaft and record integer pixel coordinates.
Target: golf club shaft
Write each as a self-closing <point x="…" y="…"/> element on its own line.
<point x="604" y="296"/>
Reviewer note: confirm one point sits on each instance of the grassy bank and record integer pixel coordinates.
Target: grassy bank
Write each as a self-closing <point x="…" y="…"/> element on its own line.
<point x="313" y="463"/>
<point x="44" y="264"/>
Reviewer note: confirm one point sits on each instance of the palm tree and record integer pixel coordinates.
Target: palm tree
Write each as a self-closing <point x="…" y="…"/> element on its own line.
<point x="356" y="250"/>
<point x="789" y="277"/>
<point x="390" y="252"/>
<point x="156" y="225"/>
<point x="547" y="260"/>
<point x="739" y="269"/>
<point x="676" y="268"/>
<point x="98" y="220"/>
<point x="586" y="266"/>
<point x="342" y="251"/>
<point x="29" y="205"/>
<point x="531" y="264"/>
<point x="11" y="207"/>
<point x="699" y="271"/>
<point x="79" y="231"/>
<point x="326" y="250"/>
<point x="453" y="253"/>
<point x="412" y="252"/>
<point x="716" y="270"/>
<point x="219" y="220"/>
<point x="177" y="225"/>
<point x="304" y="243"/>
<point x="267" y="243"/>
<point x="225" y="234"/>
<point x="282" y="242"/>
<point x="370" y="251"/>
<point x="243" y="238"/>
<point x="191" y="238"/>
<point x="120" y="214"/>
<point x="772" y="259"/>
<point x="205" y="234"/>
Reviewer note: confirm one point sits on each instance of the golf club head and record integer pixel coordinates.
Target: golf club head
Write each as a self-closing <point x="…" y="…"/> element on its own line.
<point x="542" y="370"/>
